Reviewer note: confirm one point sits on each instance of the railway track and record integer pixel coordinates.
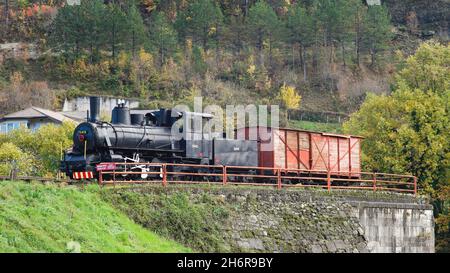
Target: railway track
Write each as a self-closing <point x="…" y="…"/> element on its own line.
<point x="39" y="179"/>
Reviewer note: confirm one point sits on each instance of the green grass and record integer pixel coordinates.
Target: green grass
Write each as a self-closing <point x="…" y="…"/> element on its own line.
<point x="48" y="218"/>
<point x="316" y="126"/>
<point x="193" y="220"/>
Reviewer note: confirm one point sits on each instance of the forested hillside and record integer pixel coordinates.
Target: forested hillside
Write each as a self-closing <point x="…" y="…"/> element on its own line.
<point x="166" y="52"/>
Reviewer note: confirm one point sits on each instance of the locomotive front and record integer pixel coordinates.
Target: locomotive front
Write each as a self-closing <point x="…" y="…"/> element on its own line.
<point x="81" y="157"/>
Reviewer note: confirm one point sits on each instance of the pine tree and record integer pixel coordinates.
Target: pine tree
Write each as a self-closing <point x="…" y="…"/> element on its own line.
<point x="116" y="27"/>
<point x="136" y="33"/>
<point x="68" y="30"/>
<point x="300" y="31"/>
<point x="377" y="31"/>
<point x="201" y="21"/>
<point x="359" y="13"/>
<point x="263" y="26"/>
<point x="163" y="37"/>
<point x="345" y="23"/>
<point x="92" y="14"/>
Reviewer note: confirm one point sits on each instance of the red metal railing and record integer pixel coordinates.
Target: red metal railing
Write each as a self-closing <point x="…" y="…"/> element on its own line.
<point x="171" y="173"/>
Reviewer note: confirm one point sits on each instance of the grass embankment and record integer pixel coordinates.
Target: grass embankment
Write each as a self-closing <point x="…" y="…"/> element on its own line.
<point x="48" y="218"/>
<point x="316" y="126"/>
<point x="193" y="220"/>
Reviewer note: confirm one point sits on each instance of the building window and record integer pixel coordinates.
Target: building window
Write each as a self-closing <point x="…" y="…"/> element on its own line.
<point x="7" y="127"/>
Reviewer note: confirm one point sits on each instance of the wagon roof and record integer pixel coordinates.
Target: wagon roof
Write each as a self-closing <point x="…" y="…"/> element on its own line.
<point x="310" y="131"/>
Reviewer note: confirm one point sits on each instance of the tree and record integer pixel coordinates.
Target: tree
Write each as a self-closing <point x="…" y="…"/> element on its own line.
<point x="263" y="27"/>
<point x="359" y="13"/>
<point x="428" y="69"/>
<point x="14" y="160"/>
<point x="81" y="27"/>
<point x="50" y="141"/>
<point x="37" y="152"/>
<point x="68" y="29"/>
<point x="377" y="31"/>
<point x="234" y="33"/>
<point x="289" y="98"/>
<point x="92" y="14"/>
<point x="345" y="23"/>
<point x="409" y="131"/>
<point x="6" y="12"/>
<point x="201" y="21"/>
<point x="301" y="31"/>
<point x="327" y="13"/>
<point x="135" y="29"/>
<point x="116" y="27"/>
<point x="163" y="37"/>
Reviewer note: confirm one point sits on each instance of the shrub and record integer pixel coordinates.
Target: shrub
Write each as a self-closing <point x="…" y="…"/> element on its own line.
<point x="14" y="159"/>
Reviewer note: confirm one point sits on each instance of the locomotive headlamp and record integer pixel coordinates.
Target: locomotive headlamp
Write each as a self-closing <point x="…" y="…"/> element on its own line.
<point x="81" y="137"/>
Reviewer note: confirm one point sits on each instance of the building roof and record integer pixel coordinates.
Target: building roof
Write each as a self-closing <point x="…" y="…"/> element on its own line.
<point x="78" y="116"/>
<point x="36" y="112"/>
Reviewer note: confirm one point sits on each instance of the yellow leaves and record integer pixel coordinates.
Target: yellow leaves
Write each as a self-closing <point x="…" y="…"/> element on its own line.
<point x="251" y="70"/>
<point x="37" y="152"/>
<point x="16" y="78"/>
<point x="9" y="151"/>
<point x="428" y="69"/>
<point x="145" y="57"/>
<point x="212" y="31"/>
<point x="189" y="46"/>
<point x="80" y="68"/>
<point x="14" y="158"/>
<point x="407" y="132"/>
<point x="149" y="5"/>
<point x="289" y="97"/>
<point x="123" y="60"/>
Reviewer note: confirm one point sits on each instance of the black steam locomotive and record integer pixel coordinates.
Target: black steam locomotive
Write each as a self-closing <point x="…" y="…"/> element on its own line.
<point x="148" y="138"/>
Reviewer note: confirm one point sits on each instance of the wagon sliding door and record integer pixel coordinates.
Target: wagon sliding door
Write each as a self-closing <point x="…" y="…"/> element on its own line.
<point x="355" y="155"/>
<point x="349" y="156"/>
<point x="291" y="149"/>
<point x="319" y="152"/>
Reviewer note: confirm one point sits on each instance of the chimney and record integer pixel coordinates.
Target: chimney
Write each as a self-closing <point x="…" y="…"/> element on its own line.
<point x="94" y="109"/>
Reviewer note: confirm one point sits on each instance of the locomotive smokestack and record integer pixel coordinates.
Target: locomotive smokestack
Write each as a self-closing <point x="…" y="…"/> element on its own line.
<point x="94" y="103"/>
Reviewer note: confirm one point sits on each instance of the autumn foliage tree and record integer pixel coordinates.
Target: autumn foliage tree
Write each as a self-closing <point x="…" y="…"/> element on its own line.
<point x="409" y="131"/>
<point x="35" y="153"/>
<point x="289" y="97"/>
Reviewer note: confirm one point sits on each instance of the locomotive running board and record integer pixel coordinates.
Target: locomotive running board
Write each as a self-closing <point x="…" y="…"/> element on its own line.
<point x="147" y="149"/>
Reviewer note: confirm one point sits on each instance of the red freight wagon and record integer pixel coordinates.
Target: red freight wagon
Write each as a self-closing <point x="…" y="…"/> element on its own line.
<point x="305" y="150"/>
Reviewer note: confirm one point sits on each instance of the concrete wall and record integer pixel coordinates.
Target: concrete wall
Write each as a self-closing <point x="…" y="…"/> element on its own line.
<point x="396" y="228"/>
<point x="270" y="220"/>
<point x="106" y="104"/>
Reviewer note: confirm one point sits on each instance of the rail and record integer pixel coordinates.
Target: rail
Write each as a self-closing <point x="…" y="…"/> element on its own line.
<point x="38" y="179"/>
<point x="171" y="173"/>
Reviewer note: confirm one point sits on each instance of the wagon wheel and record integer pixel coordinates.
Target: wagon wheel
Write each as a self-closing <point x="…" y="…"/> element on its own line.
<point x="107" y="178"/>
<point x="203" y="178"/>
<point x="179" y="177"/>
<point x="247" y="179"/>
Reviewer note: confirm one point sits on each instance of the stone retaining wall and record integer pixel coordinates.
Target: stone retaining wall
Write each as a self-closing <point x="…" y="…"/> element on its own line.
<point x="269" y="220"/>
